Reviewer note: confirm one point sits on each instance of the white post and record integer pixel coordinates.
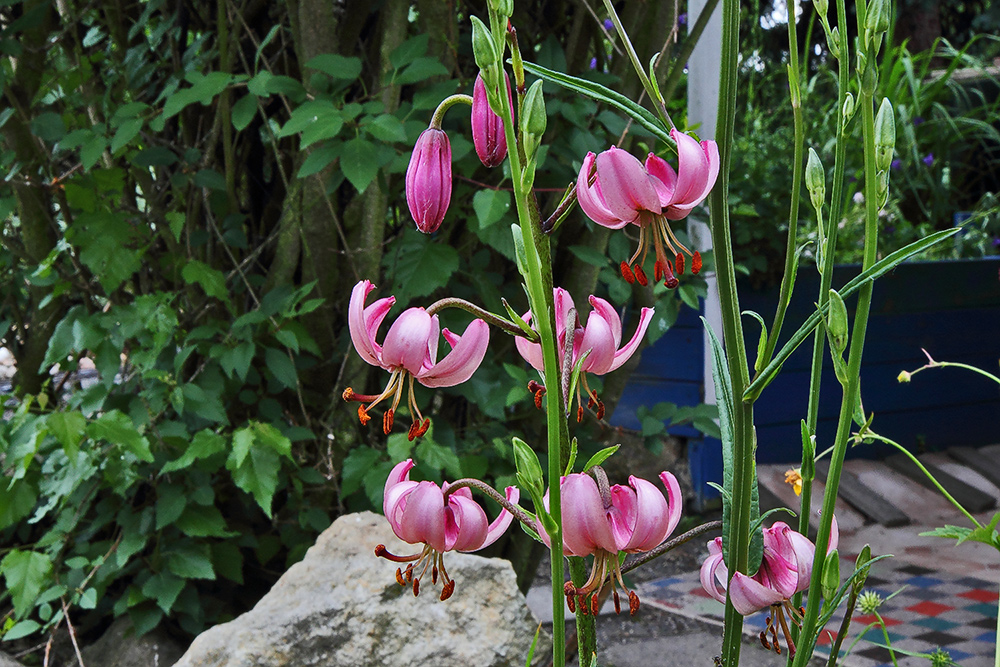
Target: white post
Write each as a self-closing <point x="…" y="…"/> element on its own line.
<point x="703" y="104"/>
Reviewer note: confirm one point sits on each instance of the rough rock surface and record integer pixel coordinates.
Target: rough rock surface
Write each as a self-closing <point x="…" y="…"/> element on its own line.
<point x="119" y="647"/>
<point x="6" y="660"/>
<point x="342" y="606"/>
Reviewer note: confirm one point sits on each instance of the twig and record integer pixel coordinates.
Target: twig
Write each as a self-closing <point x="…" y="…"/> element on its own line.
<point x="72" y="632"/>
<point x="633" y="563"/>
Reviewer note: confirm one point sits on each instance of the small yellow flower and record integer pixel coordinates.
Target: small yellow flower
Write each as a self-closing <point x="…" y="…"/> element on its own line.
<point x="794" y="477"/>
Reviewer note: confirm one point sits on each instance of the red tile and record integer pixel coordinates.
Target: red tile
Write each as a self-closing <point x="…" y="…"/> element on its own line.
<point x="865" y="619"/>
<point x="928" y="608"/>
<point x="699" y="591"/>
<point x="826" y="638"/>
<point x="980" y="595"/>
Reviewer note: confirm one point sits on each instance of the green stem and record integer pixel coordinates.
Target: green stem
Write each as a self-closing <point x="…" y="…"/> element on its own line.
<point x="954" y="364"/>
<point x="446" y="104"/>
<point x="851" y="391"/>
<point x="923" y="469"/>
<point x="885" y="635"/>
<point x="538" y="279"/>
<point x="586" y="625"/>
<point x="826" y="278"/>
<point x="791" y="263"/>
<point x="743" y="468"/>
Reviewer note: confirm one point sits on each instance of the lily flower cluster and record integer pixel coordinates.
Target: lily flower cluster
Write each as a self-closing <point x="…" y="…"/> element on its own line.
<point x="441" y="518"/>
<point x="614" y="189"/>
<point x="600" y="340"/>
<point x="603" y="521"/>
<point x="409" y="352"/>
<point x="785" y="570"/>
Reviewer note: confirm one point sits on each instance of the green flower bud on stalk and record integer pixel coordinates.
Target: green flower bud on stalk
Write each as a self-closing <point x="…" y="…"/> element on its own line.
<point x="529" y="470"/>
<point x="485" y="51"/>
<point x="869" y="602"/>
<point x="836" y="322"/>
<point x="821" y="6"/>
<point x="831" y="575"/>
<point x="869" y="79"/>
<point x="533" y="119"/>
<point x="833" y="42"/>
<point x="502" y="7"/>
<point x="885" y="135"/>
<point x="877" y="19"/>
<point x="848" y="109"/>
<point x="815" y="180"/>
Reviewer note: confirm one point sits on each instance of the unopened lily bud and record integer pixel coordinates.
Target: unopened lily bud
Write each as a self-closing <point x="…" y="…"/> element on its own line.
<point x="836" y="322"/>
<point x="833" y="42"/>
<point x="831" y="575"/>
<point x="815" y="180"/>
<point x="877" y="19"/>
<point x="487" y="127"/>
<point x="428" y="180"/>
<point x="502" y="7"/>
<point x="485" y="51"/>
<point x="534" y="119"/>
<point x="848" y="109"/>
<point x="885" y="135"/>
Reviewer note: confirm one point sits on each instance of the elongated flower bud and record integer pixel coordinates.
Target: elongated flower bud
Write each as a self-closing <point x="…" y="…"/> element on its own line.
<point x="487" y="127"/>
<point x="815" y="180"/>
<point x="428" y="180"/>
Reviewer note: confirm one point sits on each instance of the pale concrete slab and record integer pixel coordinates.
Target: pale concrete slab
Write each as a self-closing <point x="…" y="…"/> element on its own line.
<point x="773" y="477"/>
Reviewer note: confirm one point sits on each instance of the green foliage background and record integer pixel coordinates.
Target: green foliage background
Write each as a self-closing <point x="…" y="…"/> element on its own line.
<point x="190" y="193"/>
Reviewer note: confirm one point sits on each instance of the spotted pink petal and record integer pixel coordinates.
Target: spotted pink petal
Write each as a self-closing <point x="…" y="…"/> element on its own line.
<point x="363" y="323"/>
<point x="423" y="518"/>
<point x="626" y="352"/>
<point x="406" y="343"/>
<point x="463" y="360"/>
<point x="591" y="198"/>
<point x="626" y="185"/>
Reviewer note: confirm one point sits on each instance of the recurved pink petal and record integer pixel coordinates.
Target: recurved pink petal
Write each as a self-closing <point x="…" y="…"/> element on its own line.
<point x="465" y="524"/>
<point x="608" y="313"/>
<point x="463" y="360"/>
<point x="399" y="473"/>
<point x="585" y="525"/>
<point x="652" y="523"/>
<point x="406" y="343"/>
<point x="591" y="197"/>
<point x="530" y="352"/>
<point x="625" y="185"/>
<point x="363" y="323"/>
<point x="423" y="518"/>
<point x="623" y="355"/>
<point x="503" y="520"/>
<point x="599" y="339"/>
<point x="664" y="178"/>
<point x="749" y="595"/>
<point x="697" y="171"/>
<point x="714" y="574"/>
<point x="394" y="502"/>
<point x="675" y="502"/>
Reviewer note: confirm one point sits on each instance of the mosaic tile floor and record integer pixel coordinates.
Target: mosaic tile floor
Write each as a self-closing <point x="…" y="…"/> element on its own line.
<point x="935" y="609"/>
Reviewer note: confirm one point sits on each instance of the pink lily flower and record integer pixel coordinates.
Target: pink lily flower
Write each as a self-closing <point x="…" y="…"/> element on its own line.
<point x="428" y="179"/>
<point x="614" y="189"/>
<point x="409" y="352"/>
<point x="428" y="514"/>
<point x="784" y="571"/>
<point x="604" y="521"/>
<point x="487" y="127"/>
<point x="601" y="337"/>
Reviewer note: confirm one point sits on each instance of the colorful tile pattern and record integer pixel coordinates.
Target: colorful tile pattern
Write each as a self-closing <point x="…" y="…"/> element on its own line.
<point x="933" y="610"/>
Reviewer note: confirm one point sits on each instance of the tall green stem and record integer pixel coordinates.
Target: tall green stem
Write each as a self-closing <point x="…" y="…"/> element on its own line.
<point x="829" y="253"/>
<point x="538" y="279"/>
<point x="743" y="468"/>
<point x="851" y="391"/>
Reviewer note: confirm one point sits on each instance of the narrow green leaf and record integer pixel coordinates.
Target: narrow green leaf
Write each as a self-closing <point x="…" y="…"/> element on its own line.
<point x="600" y="457"/>
<point x="607" y="96"/>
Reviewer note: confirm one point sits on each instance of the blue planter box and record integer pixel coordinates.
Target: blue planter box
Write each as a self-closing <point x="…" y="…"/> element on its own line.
<point x="949" y="308"/>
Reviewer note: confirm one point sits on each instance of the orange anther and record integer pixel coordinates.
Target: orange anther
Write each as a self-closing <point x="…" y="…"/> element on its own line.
<point x="448" y="589"/>
<point x="387" y="422"/>
<point x="618" y="603"/>
<point x="363" y="415"/>
<point x="348" y="394"/>
<point x="696" y="263"/>
<point x="600" y="409"/>
<point x="680" y="264"/>
<point x="640" y="275"/>
<point x="627" y="273"/>
<point x="399" y="577"/>
<point x="579" y="414"/>
<point x="416" y="587"/>
<point x="538" y="398"/>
